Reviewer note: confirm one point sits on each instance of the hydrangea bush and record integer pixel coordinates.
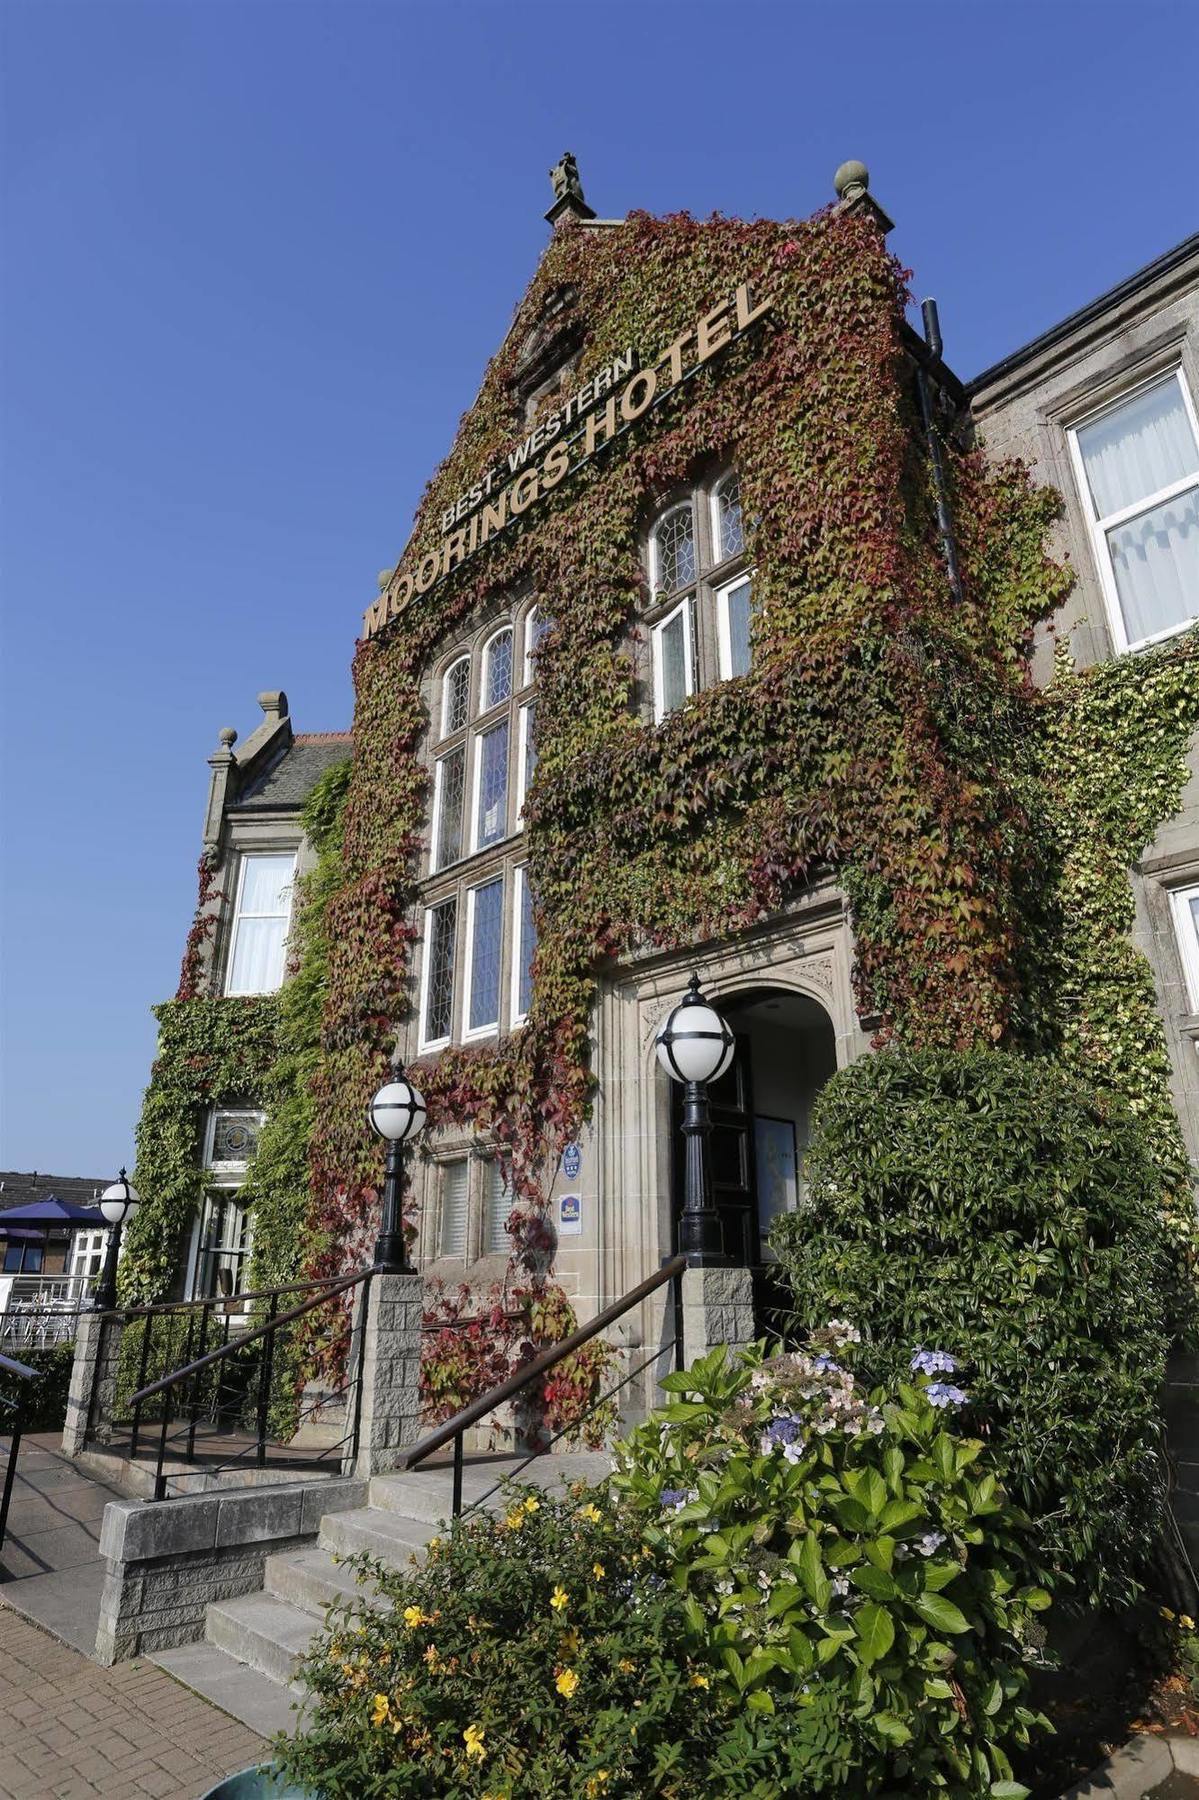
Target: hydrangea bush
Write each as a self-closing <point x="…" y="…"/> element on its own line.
<point x="791" y="1587"/>
<point x="850" y="1550"/>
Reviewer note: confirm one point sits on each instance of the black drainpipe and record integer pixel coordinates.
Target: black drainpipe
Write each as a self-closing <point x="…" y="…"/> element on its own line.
<point x="932" y="338"/>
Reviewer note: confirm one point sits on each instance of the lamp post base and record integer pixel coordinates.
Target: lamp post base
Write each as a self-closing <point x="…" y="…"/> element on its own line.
<point x="391" y="1254"/>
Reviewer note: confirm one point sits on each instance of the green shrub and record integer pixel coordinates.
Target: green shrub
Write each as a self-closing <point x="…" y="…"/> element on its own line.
<point x="848" y="1552"/>
<point x="994" y="1207"/>
<point x="42" y="1403"/>
<point x="856" y="1620"/>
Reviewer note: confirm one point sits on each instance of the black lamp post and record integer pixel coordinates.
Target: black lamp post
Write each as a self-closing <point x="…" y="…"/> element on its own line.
<point x="695" y="1046"/>
<point x="118" y="1203"/>
<point x="397" y="1113"/>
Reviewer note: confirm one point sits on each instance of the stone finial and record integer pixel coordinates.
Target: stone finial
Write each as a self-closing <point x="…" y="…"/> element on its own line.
<point x="273" y="704"/>
<point x="852" y="182"/>
<point x="228" y="736"/>
<point x="384" y="579"/>
<point x="568" y="192"/>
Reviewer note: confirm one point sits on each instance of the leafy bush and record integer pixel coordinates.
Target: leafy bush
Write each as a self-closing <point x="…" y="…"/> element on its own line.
<point x="847" y="1560"/>
<point x="42" y="1403"/>
<point x="856" y="1619"/>
<point x="994" y="1206"/>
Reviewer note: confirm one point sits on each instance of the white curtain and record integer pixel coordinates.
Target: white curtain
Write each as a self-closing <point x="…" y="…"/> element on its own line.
<point x="1129" y="454"/>
<point x="454" y="1181"/>
<point x="499" y="1205"/>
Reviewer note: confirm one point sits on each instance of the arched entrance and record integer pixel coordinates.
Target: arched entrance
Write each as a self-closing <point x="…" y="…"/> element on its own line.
<point x="761" y="1120"/>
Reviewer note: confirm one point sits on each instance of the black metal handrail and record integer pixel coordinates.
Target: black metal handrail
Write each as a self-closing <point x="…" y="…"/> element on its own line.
<point x="267" y="1335"/>
<point x="233" y="1302"/>
<point x="454" y="1428"/>
<point x="10" y="1366"/>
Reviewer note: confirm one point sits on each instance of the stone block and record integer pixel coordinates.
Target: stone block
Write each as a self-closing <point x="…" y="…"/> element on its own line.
<point x="257" y="1513"/>
<point x="330" y="1496"/>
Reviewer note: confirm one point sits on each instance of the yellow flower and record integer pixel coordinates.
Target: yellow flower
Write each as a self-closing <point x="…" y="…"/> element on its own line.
<point x="700" y="1681"/>
<point x="571" y="1643"/>
<point x="531" y="1505"/>
<point x="1187" y="1623"/>
<point x="566" y="1683"/>
<point x="599" y="1571"/>
<point x="559" y="1599"/>
<point x="625" y="1666"/>
<point x="382" y="1708"/>
<point x="432" y="1656"/>
<point x="434" y="1543"/>
<point x="413" y="1617"/>
<point x="1166" y="1613"/>
<point x="591" y="1511"/>
<point x="515" y="1519"/>
<point x="474" y="1741"/>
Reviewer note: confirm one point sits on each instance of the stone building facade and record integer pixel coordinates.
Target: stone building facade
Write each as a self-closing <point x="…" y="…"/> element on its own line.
<point x="1103" y="408"/>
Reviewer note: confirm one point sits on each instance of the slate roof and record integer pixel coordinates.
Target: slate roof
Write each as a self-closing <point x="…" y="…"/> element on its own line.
<point x="288" y="781"/>
<point x="18" y="1189"/>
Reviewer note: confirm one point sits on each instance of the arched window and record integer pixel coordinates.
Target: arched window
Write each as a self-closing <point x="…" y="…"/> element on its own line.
<point x="727" y="529"/>
<point x="673" y="561"/>
<point x="497" y="669"/>
<point x="536" y="626"/>
<point x="455" y="696"/>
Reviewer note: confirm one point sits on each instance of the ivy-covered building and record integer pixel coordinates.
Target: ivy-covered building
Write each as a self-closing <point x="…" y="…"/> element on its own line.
<point x="733" y="635"/>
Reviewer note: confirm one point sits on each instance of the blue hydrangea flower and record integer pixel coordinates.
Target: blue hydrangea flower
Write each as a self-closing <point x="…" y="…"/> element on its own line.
<point x="783" y="1430"/>
<point x="933" y="1362"/>
<point x="940" y="1393"/>
<point x="675" y="1497"/>
<point x="825" y="1365"/>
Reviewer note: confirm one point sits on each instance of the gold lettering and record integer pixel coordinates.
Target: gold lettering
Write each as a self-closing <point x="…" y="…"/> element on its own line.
<point x="427" y="571"/>
<point x="712" y="332"/>
<point x="399" y="597"/>
<point x="674" y="356"/>
<point x="746" y="315"/>
<point x="375" y="617"/>
<point x="595" y="421"/>
<point x="632" y="408"/>
<point x="523" y="492"/>
<point x="495" y="517"/>
<point x="453" y="551"/>
<point x="554" y="467"/>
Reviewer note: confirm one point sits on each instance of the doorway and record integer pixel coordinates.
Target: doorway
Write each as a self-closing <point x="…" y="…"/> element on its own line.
<point x="761" y="1124"/>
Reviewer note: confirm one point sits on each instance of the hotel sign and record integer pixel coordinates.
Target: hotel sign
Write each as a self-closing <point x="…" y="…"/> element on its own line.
<point x="606" y="406"/>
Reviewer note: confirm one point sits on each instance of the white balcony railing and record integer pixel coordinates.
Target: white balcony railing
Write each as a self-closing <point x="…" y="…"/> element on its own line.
<point x="38" y="1310"/>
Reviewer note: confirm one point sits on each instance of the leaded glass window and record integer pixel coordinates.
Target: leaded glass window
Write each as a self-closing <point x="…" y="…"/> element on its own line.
<point x="536" y="626"/>
<point x="486" y="934"/>
<point x="526" y="943"/>
<point x="674" y="549"/>
<point x="451" y="794"/>
<point x="491" y="821"/>
<point x="455" y="696"/>
<point x="234" y="1138"/>
<point x="730" y="532"/>
<point x="497" y="669"/>
<point x="499" y="1205"/>
<point x="441" y="924"/>
<point x="455" y="1198"/>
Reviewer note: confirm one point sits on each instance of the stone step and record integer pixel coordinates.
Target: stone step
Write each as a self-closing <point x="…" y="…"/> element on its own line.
<point x="264" y="1705"/>
<point x="392" y="1537"/>
<point x="428" y="1493"/>
<point x="313" y="1580"/>
<point x="266" y="1633"/>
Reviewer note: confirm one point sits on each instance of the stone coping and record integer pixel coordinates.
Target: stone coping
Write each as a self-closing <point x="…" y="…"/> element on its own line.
<point x="144" y="1530"/>
<point x="1147" y="1765"/>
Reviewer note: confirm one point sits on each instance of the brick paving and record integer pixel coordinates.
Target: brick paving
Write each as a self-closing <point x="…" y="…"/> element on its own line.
<point x="70" y="1729"/>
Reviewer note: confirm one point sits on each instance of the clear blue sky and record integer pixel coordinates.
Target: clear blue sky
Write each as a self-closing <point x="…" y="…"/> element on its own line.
<point x="256" y="255"/>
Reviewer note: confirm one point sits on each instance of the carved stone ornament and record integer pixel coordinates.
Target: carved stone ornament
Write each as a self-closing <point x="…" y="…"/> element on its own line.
<point x="565" y="177"/>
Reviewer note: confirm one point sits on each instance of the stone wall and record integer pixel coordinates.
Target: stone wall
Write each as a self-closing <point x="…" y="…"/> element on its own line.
<point x="165" y="1561"/>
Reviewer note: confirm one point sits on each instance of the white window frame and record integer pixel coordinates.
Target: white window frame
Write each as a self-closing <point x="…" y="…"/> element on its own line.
<point x="718" y="554"/>
<point x="497" y="724"/>
<point x="228" y="1166"/>
<point x="486" y="705"/>
<point x="685" y="607"/>
<point x="244" y="858"/>
<point x="426" y="1042"/>
<point x="435" y="827"/>
<point x="1187" y="939"/>
<point x="724" y="637"/>
<point x="655" y="552"/>
<point x="472" y="1034"/>
<point x="522" y="760"/>
<point x="445" y="695"/>
<point x="1098" y="528"/>
<point x="520" y="877"/>
<point x="530" y="624"/>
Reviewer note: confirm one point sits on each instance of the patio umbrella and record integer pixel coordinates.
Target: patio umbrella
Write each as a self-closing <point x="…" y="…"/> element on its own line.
<point x="53" y="1214"/>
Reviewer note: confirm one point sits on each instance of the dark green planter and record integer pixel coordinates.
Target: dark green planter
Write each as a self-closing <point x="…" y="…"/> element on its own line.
<point x="257" y="1784"/>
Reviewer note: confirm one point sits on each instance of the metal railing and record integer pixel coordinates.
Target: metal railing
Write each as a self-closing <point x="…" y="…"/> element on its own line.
<point x="230" y="1403"/>
<point x="11" y="1407"/>
<point x="38" y="1311"/>
<point x="453" y="1430"/>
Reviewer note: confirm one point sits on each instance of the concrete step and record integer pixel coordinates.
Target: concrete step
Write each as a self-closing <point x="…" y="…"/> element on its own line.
<point x="264" y="1632"/>
<point x="392" y="1537"/>
<point x="264" y="1705"/>
<point x="314" y="1580"/>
